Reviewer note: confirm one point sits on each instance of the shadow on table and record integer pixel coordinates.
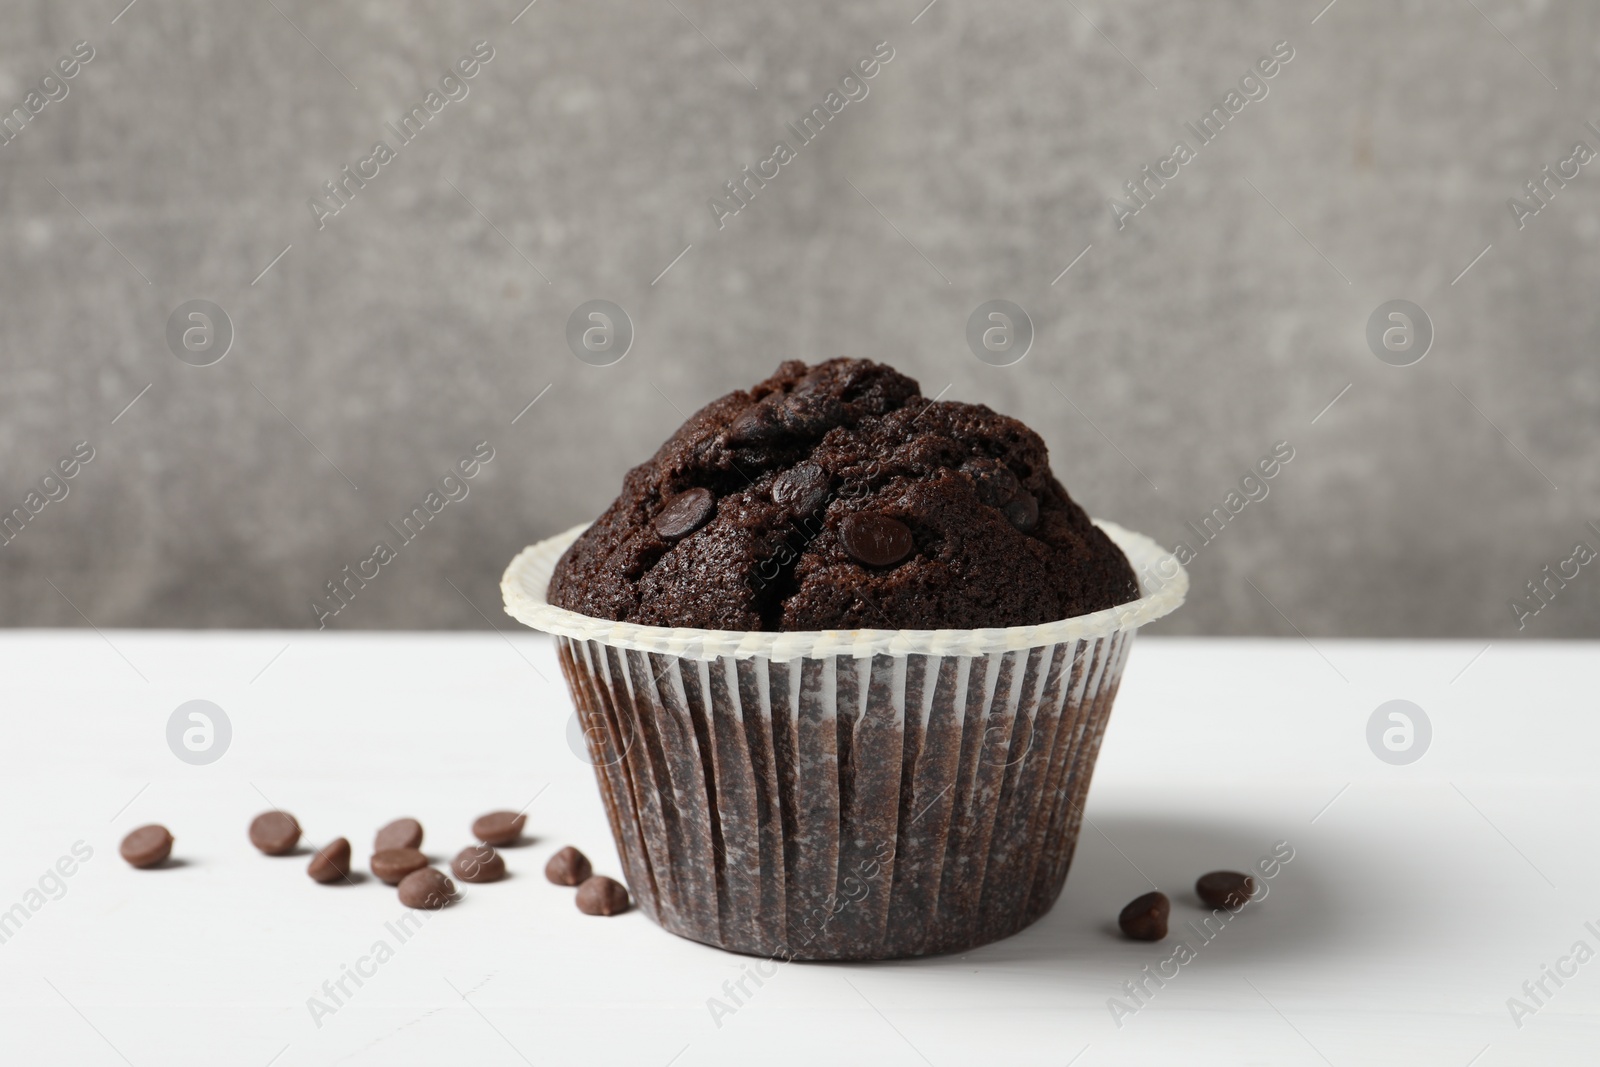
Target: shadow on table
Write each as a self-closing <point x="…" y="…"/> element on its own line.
<point x="1119" y="855"/>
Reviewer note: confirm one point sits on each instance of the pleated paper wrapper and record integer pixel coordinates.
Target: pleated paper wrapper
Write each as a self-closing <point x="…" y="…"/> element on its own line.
<point x="846" y="794"/>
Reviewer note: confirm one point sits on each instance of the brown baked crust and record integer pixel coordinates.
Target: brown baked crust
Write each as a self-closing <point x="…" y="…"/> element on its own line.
<point x="876" y="445"/>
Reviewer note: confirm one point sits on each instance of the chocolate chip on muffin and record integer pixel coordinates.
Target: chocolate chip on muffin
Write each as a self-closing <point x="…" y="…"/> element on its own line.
<point x="1022" y="511"/>
<point x="685" y="514"/>
<point x="803" y="489"/>
<point x="874" y="539"/>
<point x="836" y="496"/>
<point x="994" y="481"/>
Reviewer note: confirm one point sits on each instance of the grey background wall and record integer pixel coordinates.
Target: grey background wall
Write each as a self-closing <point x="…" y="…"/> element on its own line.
<point x="422" y="318"/>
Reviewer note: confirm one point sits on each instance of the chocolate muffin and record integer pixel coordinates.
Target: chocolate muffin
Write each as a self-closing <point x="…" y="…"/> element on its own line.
<point x="836" y="496"/>
<point x="878" y="739"/>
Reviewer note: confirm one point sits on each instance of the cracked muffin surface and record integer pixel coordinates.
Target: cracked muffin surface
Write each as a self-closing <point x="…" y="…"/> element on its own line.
<point x="836" y="496"/>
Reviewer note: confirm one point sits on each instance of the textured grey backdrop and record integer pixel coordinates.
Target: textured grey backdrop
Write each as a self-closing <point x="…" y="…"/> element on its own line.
<point x="379" y="349"/>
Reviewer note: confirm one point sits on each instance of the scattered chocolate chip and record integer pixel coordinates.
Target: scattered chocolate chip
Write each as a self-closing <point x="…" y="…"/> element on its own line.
<point x="685" y="513"/>
<point x="1225" y="889"/>
<point x="426" y="888"/>
<point x="498" y="827"/>
<point x="874" y="539"/>
<point x="402" y="833"/>
<point x="332" y="862"/>
<point x="803" y="489"/>
<point x="600" y="895"/>
<point x="755" y="425"/>
<point x="393" y="864"/>
<point x="478" y="863"/>
<point x="1145" y="918"/>
<point x="147" y="846"/>
<point x="995" y="483"/>
<point x="275" y="833"/>
<point x="1022" y="511"/>
<point x="568" y="867"/>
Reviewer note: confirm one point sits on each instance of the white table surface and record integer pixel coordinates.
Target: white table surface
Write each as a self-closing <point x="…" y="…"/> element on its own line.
<point x="1417" y="903"/>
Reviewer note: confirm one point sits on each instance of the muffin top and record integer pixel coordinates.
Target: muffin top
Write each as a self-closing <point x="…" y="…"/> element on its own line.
<point x="836" y="496"/>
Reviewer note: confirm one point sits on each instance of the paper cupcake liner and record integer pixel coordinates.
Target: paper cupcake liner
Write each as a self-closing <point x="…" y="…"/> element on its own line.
<point x="845" y="795"/>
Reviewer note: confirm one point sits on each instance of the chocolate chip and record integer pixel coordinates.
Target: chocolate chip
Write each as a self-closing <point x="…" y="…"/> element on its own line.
<point x="1022" y="511"/>
<point x="147" y="846"/>
<point x="755" y="425"/>
<point x="1145" y="918"/>
<point x="775" y="418"/>
<point x="275" y="833"/>
<point x="685" y="513"/>
<point x="498" y="828"/>
<point x="600" y="895"/>
<point x="393" y="864"/>
<point x="808" y="416"/>
<point x="803" y="489"/>
<point x="331" y="863"/>
<point x="874" y="539"/>
<point x="402" y="833"/>
<point x="1225" y="889"/>
<point x="568" y="867"/>
<point x="995" y="483"/>
<point x="426" y="888"/>
<point x="478" y="863"/>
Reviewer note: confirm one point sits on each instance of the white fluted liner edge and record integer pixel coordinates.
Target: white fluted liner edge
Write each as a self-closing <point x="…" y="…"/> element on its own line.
<point x="1163" y="584"/>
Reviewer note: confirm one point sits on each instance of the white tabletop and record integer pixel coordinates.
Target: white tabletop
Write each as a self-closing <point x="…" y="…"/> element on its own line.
<point x="1419" y="899"/>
